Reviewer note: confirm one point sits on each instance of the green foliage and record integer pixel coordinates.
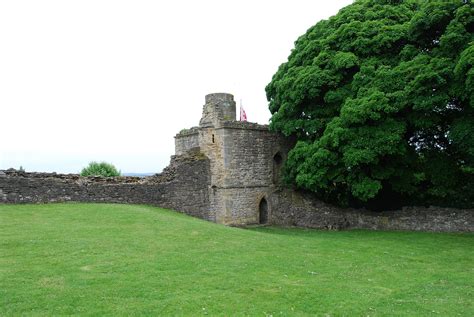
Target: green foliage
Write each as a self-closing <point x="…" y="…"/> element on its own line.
<point x="100" y="169"/>
<point x="123" y="260"/>
<point x="381" y="99"/>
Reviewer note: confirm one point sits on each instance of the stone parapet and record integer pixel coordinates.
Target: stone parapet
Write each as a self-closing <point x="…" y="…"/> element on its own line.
<point x="244" y="125"/>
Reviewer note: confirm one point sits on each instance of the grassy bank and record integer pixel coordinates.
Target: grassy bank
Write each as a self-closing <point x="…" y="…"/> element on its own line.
<point x="104" y="259"/>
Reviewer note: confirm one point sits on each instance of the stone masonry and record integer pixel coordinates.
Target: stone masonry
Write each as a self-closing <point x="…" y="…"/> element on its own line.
<point x="243" y="159"/>
<point x="182" y="186"/>
<point x="226" y="171"/>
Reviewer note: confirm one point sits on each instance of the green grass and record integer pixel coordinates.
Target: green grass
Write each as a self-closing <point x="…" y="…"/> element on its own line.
<point x="104" y="259"/>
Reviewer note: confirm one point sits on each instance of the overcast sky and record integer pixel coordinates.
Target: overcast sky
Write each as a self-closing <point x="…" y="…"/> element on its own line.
<point x="116" y="80"/>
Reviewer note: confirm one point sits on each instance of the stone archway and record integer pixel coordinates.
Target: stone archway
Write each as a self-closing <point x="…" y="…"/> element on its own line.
<point x="263" y="211"/>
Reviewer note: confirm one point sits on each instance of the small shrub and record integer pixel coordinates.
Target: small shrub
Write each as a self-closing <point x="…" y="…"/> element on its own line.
<point x="100" y="169"/>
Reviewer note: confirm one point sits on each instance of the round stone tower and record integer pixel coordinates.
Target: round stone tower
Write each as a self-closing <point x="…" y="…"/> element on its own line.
<point x="219" y="107"/>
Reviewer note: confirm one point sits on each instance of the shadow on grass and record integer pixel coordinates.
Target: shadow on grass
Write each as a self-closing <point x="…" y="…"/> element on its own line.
<point x="356" y="233"/>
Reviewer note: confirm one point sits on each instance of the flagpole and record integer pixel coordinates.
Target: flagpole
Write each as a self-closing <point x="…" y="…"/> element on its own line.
<point x="240" y="112"/>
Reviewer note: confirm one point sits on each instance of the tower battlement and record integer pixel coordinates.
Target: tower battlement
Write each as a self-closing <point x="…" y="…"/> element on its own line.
<point x="219" y="107"/>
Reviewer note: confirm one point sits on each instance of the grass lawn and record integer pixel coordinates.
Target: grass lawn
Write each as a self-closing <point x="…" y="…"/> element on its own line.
<point x="106" y="259"/>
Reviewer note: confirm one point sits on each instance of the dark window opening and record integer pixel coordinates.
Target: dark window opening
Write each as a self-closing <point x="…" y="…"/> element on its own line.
<point x="277" y="160"/>
<point x="213" y="139"/>
<point x="263" y="211"/>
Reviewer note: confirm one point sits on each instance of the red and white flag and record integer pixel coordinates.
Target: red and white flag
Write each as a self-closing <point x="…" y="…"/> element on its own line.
<point x="243" y="115"/>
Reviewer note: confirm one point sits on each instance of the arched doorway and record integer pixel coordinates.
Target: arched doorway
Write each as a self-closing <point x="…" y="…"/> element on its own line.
<point x="263" y="211"/>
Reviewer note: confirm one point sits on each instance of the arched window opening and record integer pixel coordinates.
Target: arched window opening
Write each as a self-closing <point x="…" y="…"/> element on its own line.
<point x="263" y="212"/>
<point x="277" y="158"/>
<point x="277" y="162"/>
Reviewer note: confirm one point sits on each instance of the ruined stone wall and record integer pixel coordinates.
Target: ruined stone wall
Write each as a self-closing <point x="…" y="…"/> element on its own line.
<point x="183" y="186"/>
<point x="222" y="172"/>
<point x="186" y="140"/>
<point x="188" y="189"/>
<point x="242" y="169"/>
<point x="292" y="208"/>
<point x="18" y="187"/>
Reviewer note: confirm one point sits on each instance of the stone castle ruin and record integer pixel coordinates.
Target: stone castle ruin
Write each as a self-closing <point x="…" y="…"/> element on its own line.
<point x="228" y="172"/>
<point x="245" y="161"/>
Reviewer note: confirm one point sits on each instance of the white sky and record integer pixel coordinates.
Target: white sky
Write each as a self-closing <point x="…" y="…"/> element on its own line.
<point x="116" y="80"/>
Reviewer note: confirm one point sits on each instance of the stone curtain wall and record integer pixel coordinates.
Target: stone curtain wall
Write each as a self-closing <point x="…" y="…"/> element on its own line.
<point x="183" y="186"/>
<point x="18" y="187"/>
<point x="188" y="189"/>
<point x="290" y="208"/>
<point x="222" y="171"/>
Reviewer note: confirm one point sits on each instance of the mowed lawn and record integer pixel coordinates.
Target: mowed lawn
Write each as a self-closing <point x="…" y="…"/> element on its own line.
<point x="106" y="259"/>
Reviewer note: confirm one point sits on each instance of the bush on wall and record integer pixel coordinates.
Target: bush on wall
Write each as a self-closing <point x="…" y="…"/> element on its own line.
<point x="100" y="169"/>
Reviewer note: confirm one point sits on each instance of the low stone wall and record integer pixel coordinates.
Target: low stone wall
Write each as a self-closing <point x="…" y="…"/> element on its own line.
<point x="21" y="187"/>
<point x="183" y="186"/>
<point x="291" y="208"/>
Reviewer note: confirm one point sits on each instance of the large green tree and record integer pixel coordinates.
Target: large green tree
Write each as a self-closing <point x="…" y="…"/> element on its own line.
<point x="381" y="100"/>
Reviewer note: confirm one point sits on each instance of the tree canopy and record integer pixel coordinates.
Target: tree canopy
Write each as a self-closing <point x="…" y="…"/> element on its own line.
<point x="381" y="100"/>
<point x="100" y="169"/>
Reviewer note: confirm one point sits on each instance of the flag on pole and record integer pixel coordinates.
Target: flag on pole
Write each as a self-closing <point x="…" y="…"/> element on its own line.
<point x="243" y="115"/>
